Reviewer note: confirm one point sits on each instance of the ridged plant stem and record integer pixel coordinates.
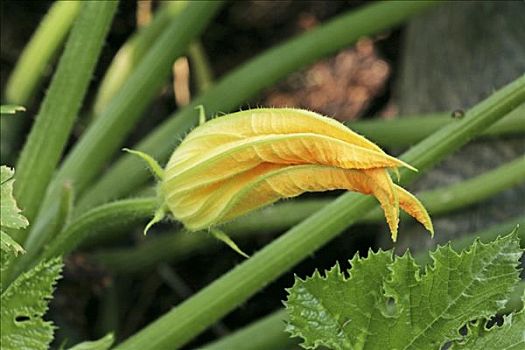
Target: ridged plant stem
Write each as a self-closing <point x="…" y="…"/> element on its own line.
<point x="53" y="124"/>
<point x="31" y="67"/>
<point x="130" y="55"/>
<point x="38" y="53"/>
<point x="407" y="131"/>
<point x="118" y="215"/>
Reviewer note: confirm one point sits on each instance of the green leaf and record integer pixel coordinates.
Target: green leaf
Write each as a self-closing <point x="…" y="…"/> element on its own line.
<point x="101" y="344"/>
<point x="510" y="335"/>
<point x="9" y="245"/>
<point x="392" y="304"/>
<point x="10" y="216"/>
<point x="11" y="109"/>
<point x="24" y="303"/>
<point x="320" y="307"/>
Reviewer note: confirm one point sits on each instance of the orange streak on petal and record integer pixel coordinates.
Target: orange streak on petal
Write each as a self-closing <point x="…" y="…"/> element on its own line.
<point x="237" y="157"/>
<point x="382" y="187"/>
<point x="413" y="207"/>
<point x="268" y="183"/>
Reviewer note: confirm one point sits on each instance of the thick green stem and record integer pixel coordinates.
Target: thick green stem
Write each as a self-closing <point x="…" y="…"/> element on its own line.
<point x="284" y="215"/>
<point x="476" y="189"/>
<point x="200" y="67"/>
<point x="56" y="116"/>
<point x="406" y="131"/>
<point x="245" y="82"/>
<point x="37" y="55"/>
<point x="113" y="216"/>
<point x="105" y="135"/>
<point x="31" y="67"/>
<point x="266" y="333"/>
<point x="194" y="315"/>
<point x="456" y="134"/>
<point x="272" y="326"/>
<point x="133" y="51"/>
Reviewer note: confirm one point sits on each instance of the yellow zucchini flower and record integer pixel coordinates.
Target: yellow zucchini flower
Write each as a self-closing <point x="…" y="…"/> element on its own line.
<point x="240" y="162"/>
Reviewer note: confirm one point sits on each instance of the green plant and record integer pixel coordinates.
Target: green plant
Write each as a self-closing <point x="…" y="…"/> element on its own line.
<point x="389" y="302"/>
<point x="10" y="218"/>
<point x="79" y="192"/>
<point x="25" y="301"/>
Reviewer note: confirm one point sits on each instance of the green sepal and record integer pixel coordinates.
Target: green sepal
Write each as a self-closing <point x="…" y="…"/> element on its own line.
<point x="153" y="165"/>
<point x="222" y="236"/>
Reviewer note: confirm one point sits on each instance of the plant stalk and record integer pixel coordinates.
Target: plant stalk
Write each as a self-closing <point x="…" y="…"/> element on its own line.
<point x="133" y="52"/>
<point x="407" y="131"/>
<point x="53" y="124"/>
<point x="38" y="53"/>
<point x="119" y="215"/>
<point x="263" y="334"/>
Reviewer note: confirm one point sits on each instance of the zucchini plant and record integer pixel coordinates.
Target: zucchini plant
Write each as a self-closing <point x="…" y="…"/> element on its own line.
<point x="76" y="191"/>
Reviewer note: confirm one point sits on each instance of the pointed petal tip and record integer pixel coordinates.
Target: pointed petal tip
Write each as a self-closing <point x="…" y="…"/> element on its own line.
<point x="394" y="231"/>
<point x="430" y="229"/>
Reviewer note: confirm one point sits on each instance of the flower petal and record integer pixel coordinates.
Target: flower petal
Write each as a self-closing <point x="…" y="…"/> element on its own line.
<point x="293" y="149"/>
<point x="413" y="207"/>
<point x="235" y="164"/>
<point x="268" y="121"/>
<point x="268" y="183"/>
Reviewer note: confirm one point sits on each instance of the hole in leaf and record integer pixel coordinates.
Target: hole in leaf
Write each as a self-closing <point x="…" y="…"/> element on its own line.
<point x="22" y="318"/>
<point x="390" y="307"/>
